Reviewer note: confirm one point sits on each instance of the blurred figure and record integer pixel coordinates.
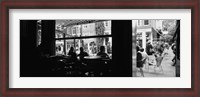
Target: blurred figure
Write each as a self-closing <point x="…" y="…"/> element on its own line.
<point x="72" y="54"/>
<point x="149" y="49"/>
<point x="144" y="54"/>
<point x="139" y="61"/>
<point x="166" y="49"/>
<point x="174" y="51"/>
<point x="102" y="52"/>
<point x="150" y="52"/>
<point x="159" y="58"/>
<point x="144" y="57"/>
<point x="82" y="53"/>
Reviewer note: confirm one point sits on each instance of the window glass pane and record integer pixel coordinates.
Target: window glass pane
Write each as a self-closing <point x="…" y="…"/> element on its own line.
<point x="73" y="31"/>
<point x="81" y="30"/>
<point x="59" y="47"/>
<point x="68" y="44"/>
<point x="92" y="45"/>
<point x="88" y="29"/>
<point x="59" y="34"/>
<point x="59" y="31"/>
<point x="107" y="30"/>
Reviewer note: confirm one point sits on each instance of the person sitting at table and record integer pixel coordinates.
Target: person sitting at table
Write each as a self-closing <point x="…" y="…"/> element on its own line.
<point x="102" y="52"/>
<point x="82" y="53"/>
<point x="72" y="54"/>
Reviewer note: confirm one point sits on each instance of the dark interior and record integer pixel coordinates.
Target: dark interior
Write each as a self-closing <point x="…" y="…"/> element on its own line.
<point x="32" y="65"/>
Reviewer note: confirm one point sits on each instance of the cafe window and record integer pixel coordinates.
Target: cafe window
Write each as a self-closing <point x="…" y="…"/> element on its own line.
<point x="93" y="36"/>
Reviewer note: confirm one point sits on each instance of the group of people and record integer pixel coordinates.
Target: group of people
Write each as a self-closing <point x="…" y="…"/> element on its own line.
<point x="82" y="53"/>
<point x="152" y="56"/>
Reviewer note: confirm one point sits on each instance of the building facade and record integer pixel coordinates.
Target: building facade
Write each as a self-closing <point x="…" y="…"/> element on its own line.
<point x="147" y="31"/>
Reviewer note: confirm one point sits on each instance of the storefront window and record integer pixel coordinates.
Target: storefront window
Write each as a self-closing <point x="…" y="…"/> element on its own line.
<point x="89" y="36"/>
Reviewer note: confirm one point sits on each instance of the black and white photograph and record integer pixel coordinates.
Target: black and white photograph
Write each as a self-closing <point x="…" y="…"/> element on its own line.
<point x="158" y="48"/>
<point x="99" y="48"/>
<point x="65" y="48"/>
<point x="75" y="48"/>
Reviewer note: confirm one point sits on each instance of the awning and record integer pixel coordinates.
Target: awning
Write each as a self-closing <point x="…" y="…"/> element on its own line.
<point x="155" y="31"/>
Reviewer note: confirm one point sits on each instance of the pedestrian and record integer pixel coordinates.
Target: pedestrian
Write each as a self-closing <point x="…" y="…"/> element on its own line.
<point x="139" y="61"/>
